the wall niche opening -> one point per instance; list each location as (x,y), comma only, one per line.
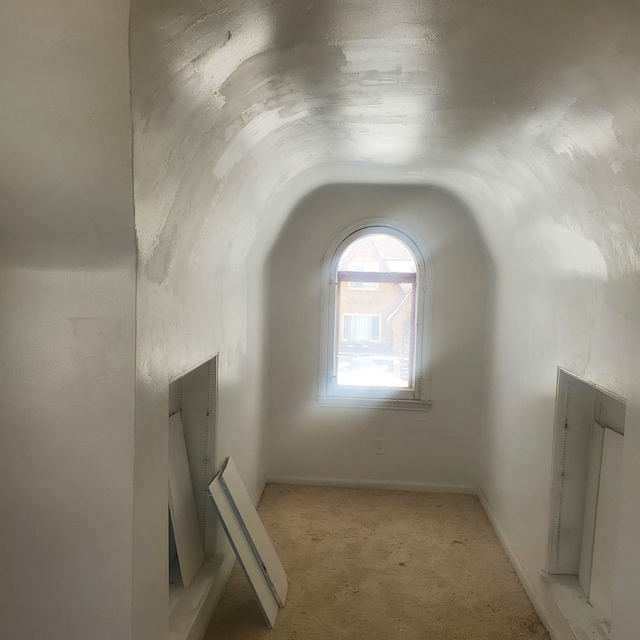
(192,404)
(583,536)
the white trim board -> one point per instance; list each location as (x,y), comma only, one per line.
(605,539)
(591,506)
(182,505)
(351,483)
(261,489)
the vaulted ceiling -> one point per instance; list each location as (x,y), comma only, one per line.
(528,111)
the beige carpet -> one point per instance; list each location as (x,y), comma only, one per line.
(378,565)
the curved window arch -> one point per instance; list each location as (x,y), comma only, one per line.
(375,333)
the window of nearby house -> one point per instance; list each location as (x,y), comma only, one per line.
(374,342)
(360,326)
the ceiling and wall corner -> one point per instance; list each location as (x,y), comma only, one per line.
(526,114)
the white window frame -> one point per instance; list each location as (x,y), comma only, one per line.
(330,393)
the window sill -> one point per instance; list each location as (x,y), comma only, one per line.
(373,403)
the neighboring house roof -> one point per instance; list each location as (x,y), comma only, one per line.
(389,252)
(400,306)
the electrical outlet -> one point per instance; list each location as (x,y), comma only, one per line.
(379,446)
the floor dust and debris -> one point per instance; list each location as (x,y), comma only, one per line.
(380,565)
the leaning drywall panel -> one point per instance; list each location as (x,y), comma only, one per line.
(181,504)
(254,530)
(198,404)
(244,552)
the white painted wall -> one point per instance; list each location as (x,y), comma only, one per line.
(199,282)
(67,292)
(308,442)
(528,114)
(561,221)
(565,295)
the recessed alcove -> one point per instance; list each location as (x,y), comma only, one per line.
(194,396)
(583,535)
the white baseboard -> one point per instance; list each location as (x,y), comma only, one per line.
(551,617)
(352,483)
(263,486)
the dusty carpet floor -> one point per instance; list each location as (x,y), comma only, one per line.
(378,565)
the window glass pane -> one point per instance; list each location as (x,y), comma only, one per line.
(375,321)
(361,327)
(364,266)
(380,251)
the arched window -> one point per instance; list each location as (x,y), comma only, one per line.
(375,331)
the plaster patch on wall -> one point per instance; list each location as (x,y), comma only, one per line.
(390,55)
(253,37)
(256,130)
(589,131)
(568,250)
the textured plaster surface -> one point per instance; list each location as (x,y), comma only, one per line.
(525,112)
(528,114)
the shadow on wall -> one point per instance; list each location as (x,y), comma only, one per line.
(303,439)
